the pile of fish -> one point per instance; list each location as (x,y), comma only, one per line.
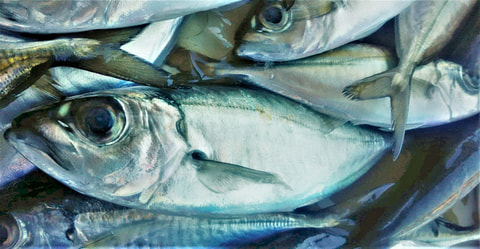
(230,123)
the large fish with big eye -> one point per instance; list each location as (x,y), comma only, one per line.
(285,30)
(199,150)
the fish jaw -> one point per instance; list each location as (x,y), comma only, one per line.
(41,152)
(130,164)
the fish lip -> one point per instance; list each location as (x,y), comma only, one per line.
(23,138)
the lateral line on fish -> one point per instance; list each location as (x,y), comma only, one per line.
(298,122)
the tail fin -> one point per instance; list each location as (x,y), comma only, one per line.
(393,84)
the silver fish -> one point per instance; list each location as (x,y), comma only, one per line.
(298,34)
(156,150)
(46,217)
(441,92)
(71,220)
(443,233)
(151,44)
(423,30)
(137,228)
(47,16)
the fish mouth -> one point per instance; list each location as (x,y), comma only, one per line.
(37,150)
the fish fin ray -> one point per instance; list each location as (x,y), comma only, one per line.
(376,86)
(120,64)
(47,86)
(222,177)
(400,103)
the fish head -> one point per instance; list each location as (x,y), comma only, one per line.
(111,143)
(280,31)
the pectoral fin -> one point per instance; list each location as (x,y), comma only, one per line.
(48,86)
(379,86)
(222,177)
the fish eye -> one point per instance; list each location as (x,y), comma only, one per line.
(9,231)
(273,18)
(70,234)
(100,120)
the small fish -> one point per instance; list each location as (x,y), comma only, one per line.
(440,232)
(155,149)
(282,31)
(73,220)
(442,92)
(152,230)
(22,63)
(49,16)
(422,31)
(45,218)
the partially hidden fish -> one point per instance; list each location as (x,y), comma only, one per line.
(137,228)
(73,220)
(22,63)
(422,31)
(47,16)
(428,191)
(283,31)
(156,149)
(441,92)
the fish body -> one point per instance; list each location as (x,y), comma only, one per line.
(311,34)
(442,92)
(46,16)
(137,228)
(256,152)
(422,31)
(442,233)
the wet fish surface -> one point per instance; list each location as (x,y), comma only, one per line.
(422,31)
(441,92)
(298,31)
(47,16)
(174,159)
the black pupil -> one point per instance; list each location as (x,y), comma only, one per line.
(272,14)
(100,120)
(3,234)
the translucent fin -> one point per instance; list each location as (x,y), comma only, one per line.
(47,85)
(391,84)
(400,102)
(222,177)
(120,64)
(376,86)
